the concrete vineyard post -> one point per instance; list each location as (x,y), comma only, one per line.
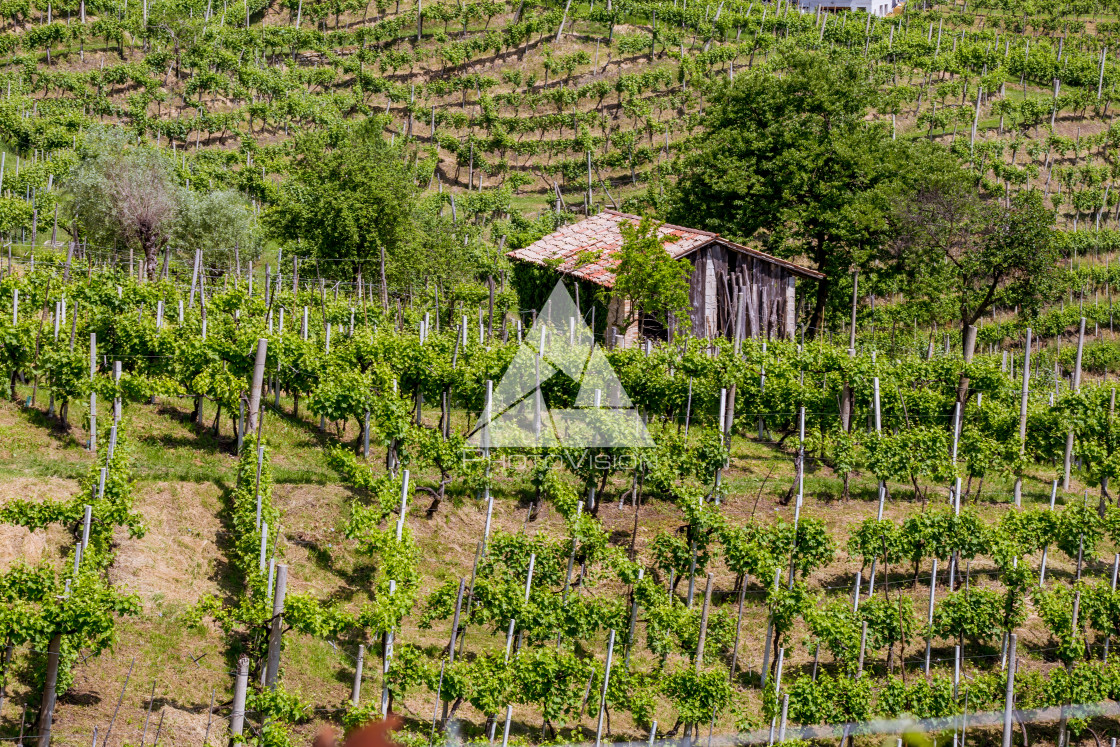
(365,436)
(240,423)
(505,730)
(1100,75)
(529,576)
(509,638)
(956,670)
(46,711)
(1115,570)
(117,399)
(404,504)
(862,648)
(92,394)
(257,489)
(194,280)
(264,551)
(878,430)
(785,713)
(86,519)
(1068,455)
(386,660)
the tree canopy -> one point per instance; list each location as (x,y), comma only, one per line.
(124,195)
(349,194)
(791,161)
(954,246)
(216,222)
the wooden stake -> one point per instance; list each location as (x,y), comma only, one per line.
(46,712)
(1023,414)
(603,696)
(356,690)
(738,626)
(455,622)
(277,629)
(258,381)
(703,624)
(240,685)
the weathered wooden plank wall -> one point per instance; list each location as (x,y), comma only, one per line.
(721,277)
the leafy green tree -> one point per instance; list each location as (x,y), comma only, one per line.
(647,278)
(350,195)
(951,241)
(790,159)
(435,248)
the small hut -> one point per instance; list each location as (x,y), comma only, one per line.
(734,291)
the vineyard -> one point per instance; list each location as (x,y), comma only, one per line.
(231,519)
(582,103)
(257,316)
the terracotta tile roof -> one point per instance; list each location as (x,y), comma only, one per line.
(586,249)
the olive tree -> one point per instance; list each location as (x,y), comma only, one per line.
(217,223)
(124,195)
